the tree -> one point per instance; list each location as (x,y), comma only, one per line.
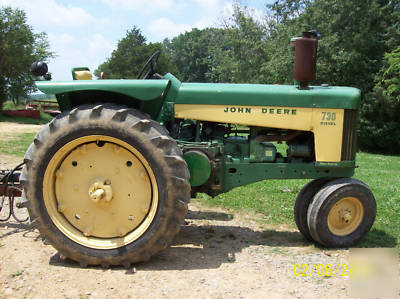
(191,51)
(391,76)
(380,123)
(132,52)
(233,53)
(355,37)
(352,45)
(240,56)
(19,47)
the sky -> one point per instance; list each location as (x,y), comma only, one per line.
(85,32)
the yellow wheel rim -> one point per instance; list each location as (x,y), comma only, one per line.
(345,216)
(100,192)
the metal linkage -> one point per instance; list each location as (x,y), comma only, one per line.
(9,190)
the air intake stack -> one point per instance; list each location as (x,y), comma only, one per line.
(305,58)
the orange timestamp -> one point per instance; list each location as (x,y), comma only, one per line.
(308,270)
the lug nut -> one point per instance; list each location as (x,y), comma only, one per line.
(121,231)
(87,232)
(61,208)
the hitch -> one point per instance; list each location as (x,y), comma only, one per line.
(10,188)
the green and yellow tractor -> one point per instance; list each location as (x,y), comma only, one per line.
(108,181)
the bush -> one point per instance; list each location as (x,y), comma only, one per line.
(379,126)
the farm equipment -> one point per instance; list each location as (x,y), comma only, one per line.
(10,189)
(109,179)
(47,106)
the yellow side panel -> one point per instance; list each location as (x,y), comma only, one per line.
(326,124)
(328,131)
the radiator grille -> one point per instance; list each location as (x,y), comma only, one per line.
(349,142)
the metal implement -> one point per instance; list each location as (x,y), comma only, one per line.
(10,189)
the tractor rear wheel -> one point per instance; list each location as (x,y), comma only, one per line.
(341,213)
(106,185)
(303,201)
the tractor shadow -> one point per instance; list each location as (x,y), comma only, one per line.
(201,245)
(10,228)
(210,246)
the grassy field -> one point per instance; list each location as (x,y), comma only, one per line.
(17,145)
(273,200)
(9,105)
(44,118)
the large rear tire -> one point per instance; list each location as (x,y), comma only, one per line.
(106,185)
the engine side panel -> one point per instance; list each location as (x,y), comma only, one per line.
(325,123)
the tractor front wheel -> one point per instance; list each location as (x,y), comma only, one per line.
(341,213)
(106,185)
(303,201)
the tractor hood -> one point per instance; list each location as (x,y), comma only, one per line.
(145,90)
(271,95)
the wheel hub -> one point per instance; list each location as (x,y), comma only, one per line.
(109,212)
(345,216)
(100,191)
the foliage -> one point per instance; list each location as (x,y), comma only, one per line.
(191,51)
(390,82)
(350,51)
(129,57)
(230,54)
(355,37)
(379,123)
(19,47)
(243,51)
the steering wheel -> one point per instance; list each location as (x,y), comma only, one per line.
(150,66)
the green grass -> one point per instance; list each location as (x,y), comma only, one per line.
(17,145)
(9,105)
(17,273)
(274,199)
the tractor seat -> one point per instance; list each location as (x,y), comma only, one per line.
(81,73)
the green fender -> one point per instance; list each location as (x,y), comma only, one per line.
(146,95)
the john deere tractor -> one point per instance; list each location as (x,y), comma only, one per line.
(108,181)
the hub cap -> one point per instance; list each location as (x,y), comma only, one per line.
(100,192)
(345,216)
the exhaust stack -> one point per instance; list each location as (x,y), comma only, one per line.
(305,58)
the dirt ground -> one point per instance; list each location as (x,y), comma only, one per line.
(217,254)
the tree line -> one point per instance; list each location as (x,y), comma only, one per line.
(19,47)
(360,47)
